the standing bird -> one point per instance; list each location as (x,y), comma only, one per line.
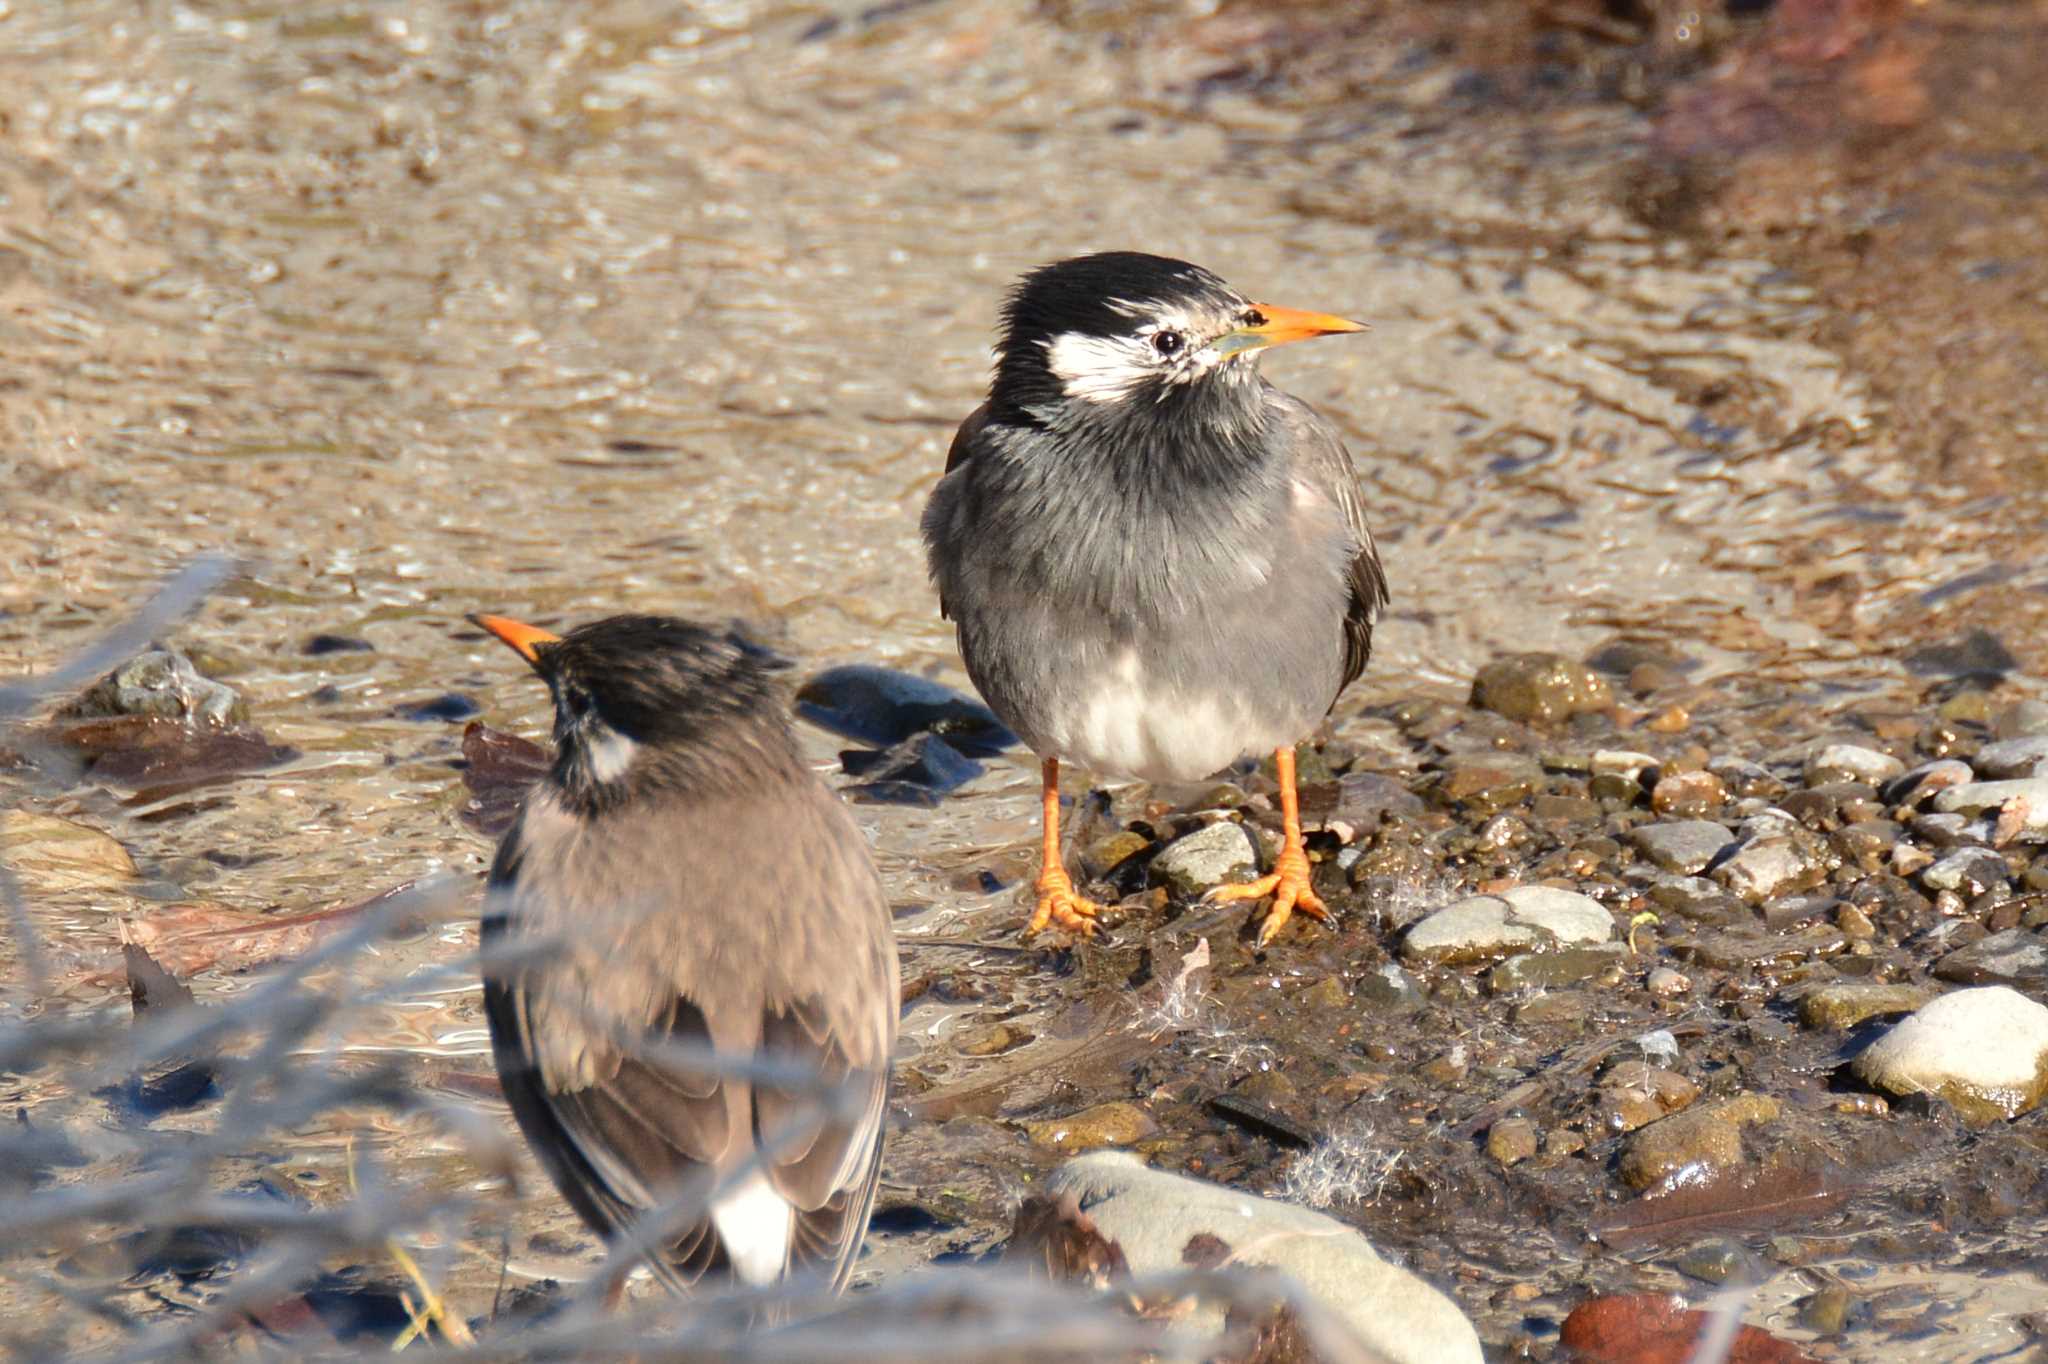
(1156,560)
(679,876)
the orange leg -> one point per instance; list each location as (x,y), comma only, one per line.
(1288,882)
(1057,902)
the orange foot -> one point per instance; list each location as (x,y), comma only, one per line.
(1288,885)
(1060,906)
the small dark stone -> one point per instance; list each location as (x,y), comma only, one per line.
(905,1219)
(337,644)
(917,771)
(1620,657)
(1262,1120)
(884,707)
(449,707)
(1977,653)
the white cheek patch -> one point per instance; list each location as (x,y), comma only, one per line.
(609,754)
(1097,369)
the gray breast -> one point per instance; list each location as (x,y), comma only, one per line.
(1161,649)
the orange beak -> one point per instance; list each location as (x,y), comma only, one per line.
(1283,325)
(524,639)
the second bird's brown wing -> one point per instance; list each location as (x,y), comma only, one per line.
(752,923)
(1320,457)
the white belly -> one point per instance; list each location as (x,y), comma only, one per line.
(1119,725)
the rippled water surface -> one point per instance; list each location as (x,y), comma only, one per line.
(558,310)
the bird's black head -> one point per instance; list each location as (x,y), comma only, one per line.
(1121,332)
(643,700)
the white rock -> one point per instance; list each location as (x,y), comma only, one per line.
(1620,762)
(1153,1215)
(1983,1050)
(1209,856)
(1524,917)
(1851,762)
(1972,797)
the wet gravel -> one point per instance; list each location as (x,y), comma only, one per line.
(1571,1033)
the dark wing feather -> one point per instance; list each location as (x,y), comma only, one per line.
(963,439)
(616,1148)
(1321,459)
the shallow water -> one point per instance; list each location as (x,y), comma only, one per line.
(558,311)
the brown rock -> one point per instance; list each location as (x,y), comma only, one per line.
(1709,1136)
(1540,688)
(1110,1124)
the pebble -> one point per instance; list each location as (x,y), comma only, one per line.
(2017,956)
(1634,1094)
(1977,796)
(1851,762)
(449,706)
(1983,1050)
(1967,871)
(1153,1216)
(883,707)
(1709,1137)
(161,682)
(1745,778)
(2021,719)
(1918,783)
(1839,1007)
(1511,1140)
(1486,926)
(1111,1124)
(919,771)
(1688,793)
(1666,983)
(1104,855)
(1208,857)
(336,644)
(1389,989)
(2013,758)
(1488,781)
(1540,688)
(1697,899)
(1774,864)
(1685,846)
(1621,762)
(1554,970)
(1976,653)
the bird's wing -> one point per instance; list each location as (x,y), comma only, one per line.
(963,440)
(1321,459)
(622,1127)
(962,450)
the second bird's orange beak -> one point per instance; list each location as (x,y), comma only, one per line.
(523,638)
(1282,325)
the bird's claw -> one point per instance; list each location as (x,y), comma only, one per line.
(1288,884)
(1060,906)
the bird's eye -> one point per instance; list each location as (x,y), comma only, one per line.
(1253,318)
(1168,342)
(576,701)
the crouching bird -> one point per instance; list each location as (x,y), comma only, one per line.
(1155,560)
(679,886)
